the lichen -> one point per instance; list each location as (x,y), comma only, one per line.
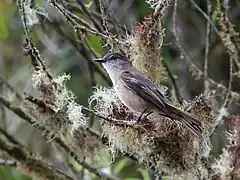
(160,143)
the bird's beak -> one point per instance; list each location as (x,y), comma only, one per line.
(98,60)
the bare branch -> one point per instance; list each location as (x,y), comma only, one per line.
(80,51)
(84,9)
(104,17)
(2,109)
(194,69)
(75,25)
(5,82)
(225,24)
(208,29)
(174,83)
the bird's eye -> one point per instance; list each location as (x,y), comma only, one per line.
(126,72)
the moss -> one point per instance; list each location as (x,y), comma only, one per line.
(160,143)
(145,48)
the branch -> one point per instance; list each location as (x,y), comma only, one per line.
(208,28)
(226,31)
(174,83)
(2,109)
(30,164)
(194,69)
(50,135)
(84,9)
(80,51)
(4,81)
(72,21)
(120,123)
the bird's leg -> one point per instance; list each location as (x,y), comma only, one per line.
(144,114)
(149,113)
(140,117)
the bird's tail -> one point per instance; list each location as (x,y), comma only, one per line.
(189,120)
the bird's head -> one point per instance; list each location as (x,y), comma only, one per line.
(114,61)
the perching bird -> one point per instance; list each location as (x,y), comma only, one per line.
(140,94)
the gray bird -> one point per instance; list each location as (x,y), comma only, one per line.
(140,94)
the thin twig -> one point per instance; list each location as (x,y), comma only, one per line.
(217,31)
(233,56)
(98,27)
(9,137)
(115,23)
(208,29)
(5,82)
(179,45)
(174,83)
(199,73)
(2,109)
(16,110)
(120,123)
(80,20)
(205,16)
(74,24)
(222,111)
(29,47)
(104,17)
(80,51)
(226,34)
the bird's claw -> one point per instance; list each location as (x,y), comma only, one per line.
(144,115)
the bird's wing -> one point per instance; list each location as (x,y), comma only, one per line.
(145,88)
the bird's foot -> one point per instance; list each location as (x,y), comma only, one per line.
(144,115)
(136,120)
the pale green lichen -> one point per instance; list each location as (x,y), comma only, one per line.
(76,116)
(158,5)
(31,13)
(158,133)
(223,165)
(61,98)
(105,100)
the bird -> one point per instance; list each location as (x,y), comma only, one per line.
(139,93)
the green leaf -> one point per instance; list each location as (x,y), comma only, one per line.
(144,174)
(96,44)
(120,165)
